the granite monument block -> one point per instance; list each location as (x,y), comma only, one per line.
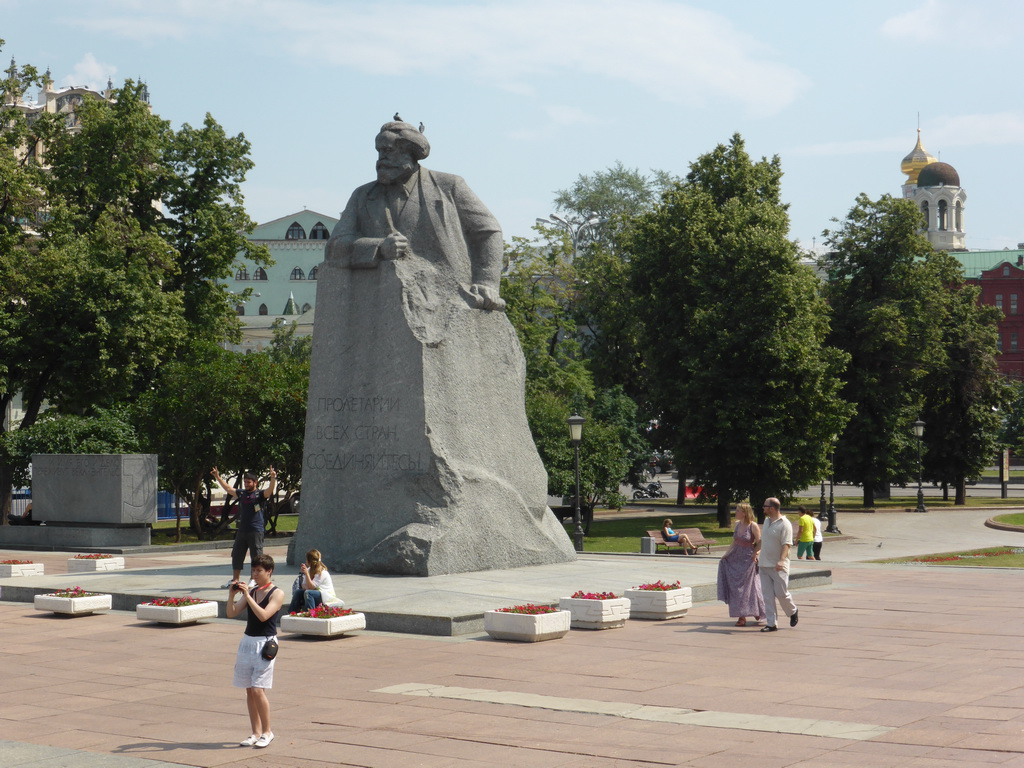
(418,456)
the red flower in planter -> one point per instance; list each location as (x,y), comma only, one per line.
(323,611)
(529,608)
(71,592)
(659,586)
(595,595)
(176,602)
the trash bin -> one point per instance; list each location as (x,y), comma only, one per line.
(647,546)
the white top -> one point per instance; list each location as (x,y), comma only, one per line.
(322,581)
(817,529)
(774,535)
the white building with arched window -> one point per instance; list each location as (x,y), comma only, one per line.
(287,288)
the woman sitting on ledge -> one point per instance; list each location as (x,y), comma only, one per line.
(313,585)
(669,535)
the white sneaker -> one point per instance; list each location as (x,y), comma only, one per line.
(264,740)
(252,584)
(250,741)
(225,586)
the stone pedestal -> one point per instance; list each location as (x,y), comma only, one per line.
(596,614)
(332,627)
(659,604)
(418,457)
(526,628)
(93,564)
(176,614)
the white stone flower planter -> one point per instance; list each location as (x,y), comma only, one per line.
(525,627)
(82,565)
(324,627)
(596,614)
(22,569)
(176,614)
(72,605)
(659,604)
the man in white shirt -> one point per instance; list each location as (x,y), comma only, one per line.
(773,565)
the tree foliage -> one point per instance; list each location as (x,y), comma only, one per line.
(539,287)
(735,331)
(604,307)
(887,296)
(112,238)
(963,390)
(106,431)
(240,412)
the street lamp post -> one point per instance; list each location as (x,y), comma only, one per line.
(832,527)
(575,437)
(919,434)
(574,230)
(822,509)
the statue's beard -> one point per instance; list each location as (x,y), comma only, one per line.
(394,174)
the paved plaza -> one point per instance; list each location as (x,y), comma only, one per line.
(889,666)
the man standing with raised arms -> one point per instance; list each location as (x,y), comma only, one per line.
(249,533)
(773,565)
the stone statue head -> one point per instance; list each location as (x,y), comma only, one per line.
(400,147)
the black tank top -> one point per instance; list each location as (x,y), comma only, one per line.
(256,628)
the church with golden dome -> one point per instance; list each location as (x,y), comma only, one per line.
(935,187)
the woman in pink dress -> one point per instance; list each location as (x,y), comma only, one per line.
(739,584)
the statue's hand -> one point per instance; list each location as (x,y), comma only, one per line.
(486,297)
(394,246)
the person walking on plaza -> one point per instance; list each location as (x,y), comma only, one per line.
(249,534)
(819,539)
(739,583)
(805,539)
(776,540)
(253,671)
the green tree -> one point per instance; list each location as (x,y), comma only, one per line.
(887,299)
(736,331)
(539,288)
(98,284)
(964,391)
(236,411)
(105,431)
(604,305)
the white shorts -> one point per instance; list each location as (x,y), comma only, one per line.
(251,669)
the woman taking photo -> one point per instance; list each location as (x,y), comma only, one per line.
(313,585)
(252,671)
(739,584)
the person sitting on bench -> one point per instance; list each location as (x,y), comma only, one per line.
(680,538)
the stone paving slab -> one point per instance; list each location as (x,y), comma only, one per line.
(920,657)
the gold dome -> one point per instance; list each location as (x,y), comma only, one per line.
(915,161)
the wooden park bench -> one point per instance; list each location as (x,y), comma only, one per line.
(694,534)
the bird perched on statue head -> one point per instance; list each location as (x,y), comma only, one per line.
(397,118)
(421,128)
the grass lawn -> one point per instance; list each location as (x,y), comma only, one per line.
(1015,519)
(163,531)
(989,557)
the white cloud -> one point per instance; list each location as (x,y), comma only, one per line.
(147,29)
(90,73)
(993,129)
(997,22)
(997,128)
(672,51)
(558,117)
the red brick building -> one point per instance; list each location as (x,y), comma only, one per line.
(1000,275)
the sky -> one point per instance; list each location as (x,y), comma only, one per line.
(521,97)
